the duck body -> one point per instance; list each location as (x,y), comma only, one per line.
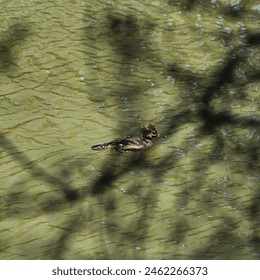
(124,144)
(131,143)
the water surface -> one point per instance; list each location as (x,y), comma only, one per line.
(74,74)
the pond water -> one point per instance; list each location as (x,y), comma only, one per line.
(74,74)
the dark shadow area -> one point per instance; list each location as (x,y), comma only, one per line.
(125,37)
(252,39)
(74,224)
(129,44)
(234,10)
(13,37)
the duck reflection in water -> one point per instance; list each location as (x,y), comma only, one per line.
(131,143)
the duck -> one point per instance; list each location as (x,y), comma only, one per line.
(129,143)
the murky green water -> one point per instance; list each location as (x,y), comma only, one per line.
(74,74)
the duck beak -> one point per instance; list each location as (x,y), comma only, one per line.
(160,135)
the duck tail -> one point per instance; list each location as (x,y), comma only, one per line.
(98,147)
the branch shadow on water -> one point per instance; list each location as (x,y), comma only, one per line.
(36,171)
(16,34)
